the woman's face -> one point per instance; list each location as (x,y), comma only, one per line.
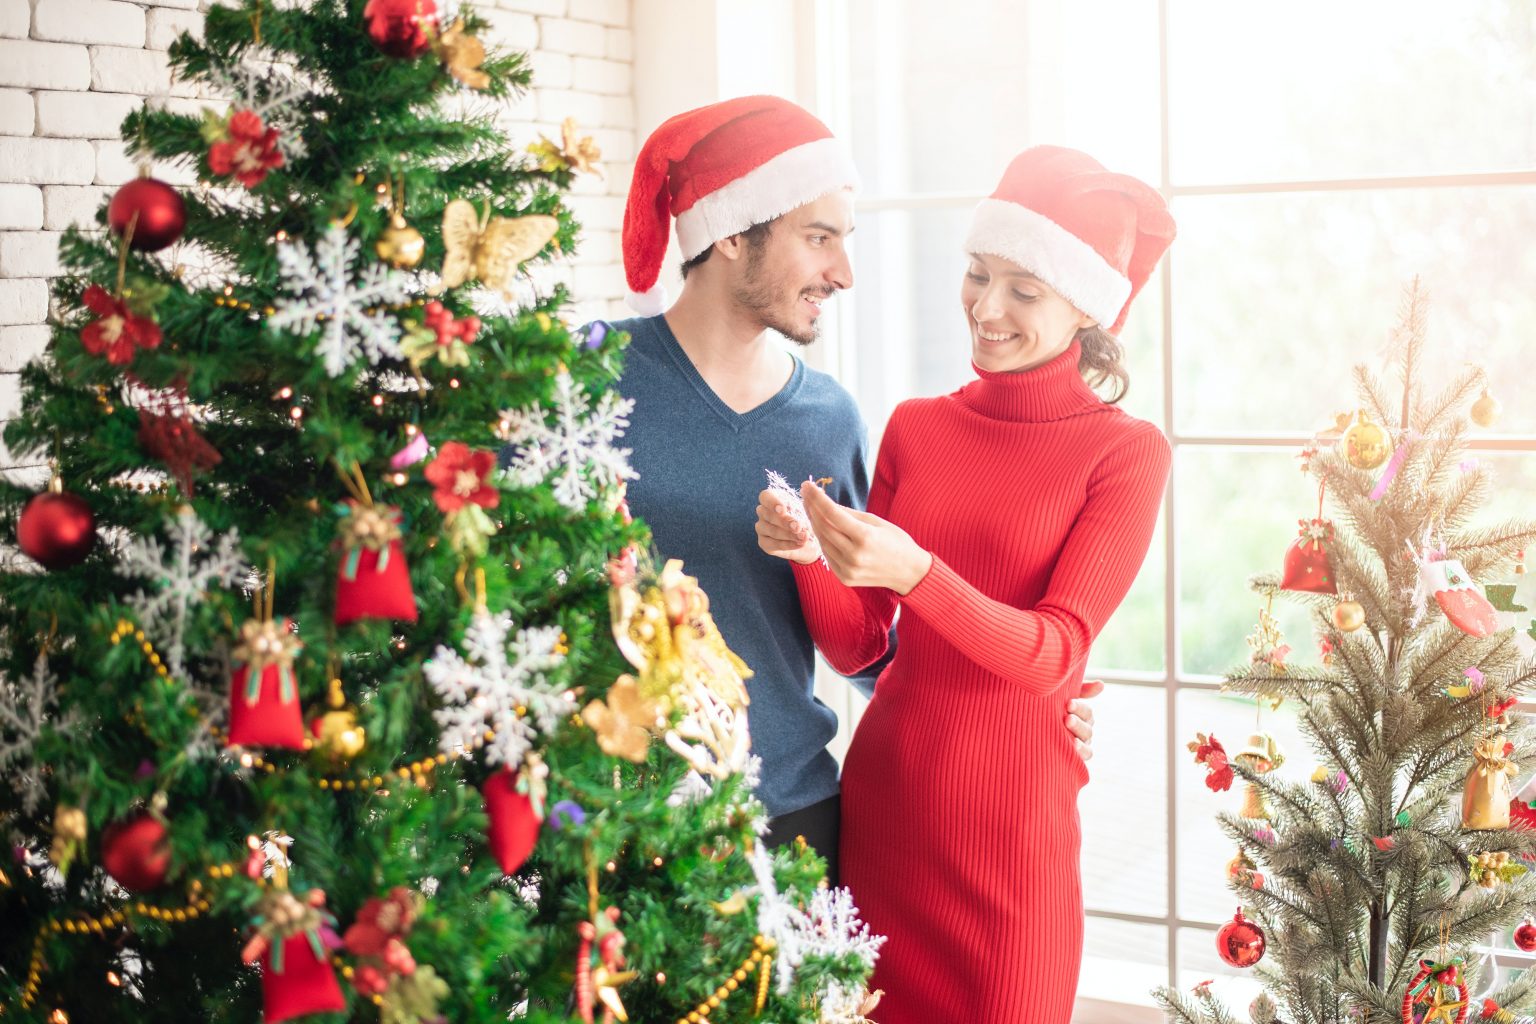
(1017,321)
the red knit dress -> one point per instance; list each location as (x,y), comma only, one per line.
(960,832)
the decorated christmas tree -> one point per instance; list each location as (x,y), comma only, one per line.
(1366,888)
(336,679)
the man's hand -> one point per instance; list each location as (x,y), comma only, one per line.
(862,549)
(1080,718)
(778,533)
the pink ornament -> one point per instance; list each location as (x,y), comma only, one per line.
(412,453)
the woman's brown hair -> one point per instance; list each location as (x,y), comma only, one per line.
(1102,360)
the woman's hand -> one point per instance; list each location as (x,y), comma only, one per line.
(1080,717)
(778,533)
(864,550)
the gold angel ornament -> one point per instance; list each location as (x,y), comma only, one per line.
(663,627)
(490,249)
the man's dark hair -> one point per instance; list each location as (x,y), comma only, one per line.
(754,236)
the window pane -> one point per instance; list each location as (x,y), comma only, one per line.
(1133,639)
(1204,849)
(944,95)
(911,333)
(1277,296)
(1321,89)
(1127,796)
(1122,962)
(1237,512)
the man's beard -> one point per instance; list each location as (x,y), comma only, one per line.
(759,295)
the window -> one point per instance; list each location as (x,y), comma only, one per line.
(1317,157)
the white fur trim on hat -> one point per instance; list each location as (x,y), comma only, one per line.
(1053,254)
(795,177)
(651,302)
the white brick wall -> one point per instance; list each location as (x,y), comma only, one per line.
(70,70)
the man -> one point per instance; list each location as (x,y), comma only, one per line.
(763,199)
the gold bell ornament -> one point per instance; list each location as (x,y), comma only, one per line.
(400,245)
(336,732)
(1485,801)
(1366,444)
(1261,756)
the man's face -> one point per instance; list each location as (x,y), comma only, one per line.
(786,276)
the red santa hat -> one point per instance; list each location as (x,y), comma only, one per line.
(720,170)
(1092,235)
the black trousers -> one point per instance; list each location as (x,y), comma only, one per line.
(818,824)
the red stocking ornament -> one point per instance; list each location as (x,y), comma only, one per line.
(373,581)
(515,805)
(1458,596)
(264,706)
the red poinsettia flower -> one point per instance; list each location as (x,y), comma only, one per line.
(377,933)
(247,151)
(119,333)
(461,476)
(1209,752)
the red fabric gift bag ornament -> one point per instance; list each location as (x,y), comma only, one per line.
(1306,561)
(515,805)
(264,706)
(293,942)
(373,581)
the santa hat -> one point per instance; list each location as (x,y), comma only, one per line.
(1092,235)
(720,170)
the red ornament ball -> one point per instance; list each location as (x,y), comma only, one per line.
(161,215)
(1240,942)
(401,28)
(56,529)
(1525,936)
(135,853)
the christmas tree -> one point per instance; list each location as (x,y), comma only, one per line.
(1367,887)
(336,679)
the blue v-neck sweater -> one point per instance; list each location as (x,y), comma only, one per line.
(701,466)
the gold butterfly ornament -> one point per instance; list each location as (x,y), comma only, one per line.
(490,249)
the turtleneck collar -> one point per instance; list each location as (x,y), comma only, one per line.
(1053,391)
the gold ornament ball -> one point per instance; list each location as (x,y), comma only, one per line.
(1485,411)
(1366,444)
(1348,616)
(338,736)
(400,245)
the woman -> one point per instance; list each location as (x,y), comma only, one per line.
(1007,520)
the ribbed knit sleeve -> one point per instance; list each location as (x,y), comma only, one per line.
(851,626)
(1040,647)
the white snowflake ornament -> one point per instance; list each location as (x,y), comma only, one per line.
(26,707)
(483,689)
(577,451)
(196,562)
(322,293)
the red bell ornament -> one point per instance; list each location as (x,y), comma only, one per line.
(154,209)
(135,852)
(264,709)
(1306,561)
(56,529)
(373,581)
(1240,942)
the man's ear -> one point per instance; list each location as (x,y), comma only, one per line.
(731,246)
